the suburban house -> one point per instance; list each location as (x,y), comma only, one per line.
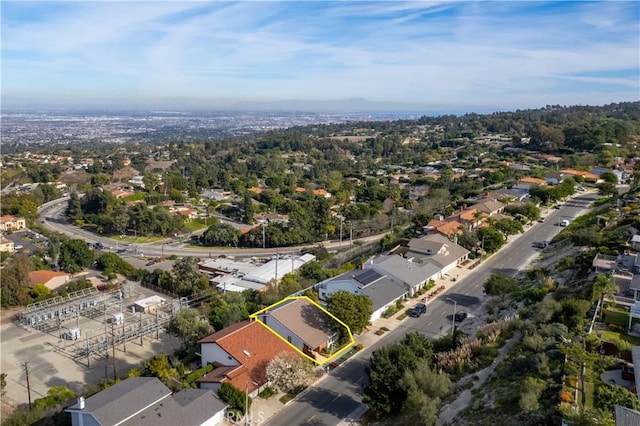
(240,354)
(438,250)
(146,401)
(447,228)
(587,176)
(411,275)
(216,194)
(489,207)
(514,194)
(6,245)
(50,279)
(527,182)
(382,291)
(121,193)
(303,324)
(12,223)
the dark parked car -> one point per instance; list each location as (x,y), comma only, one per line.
(418,310)
(461,316)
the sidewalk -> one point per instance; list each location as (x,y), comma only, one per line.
(265,409)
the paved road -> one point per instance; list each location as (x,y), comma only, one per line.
(338,396)
(53,216)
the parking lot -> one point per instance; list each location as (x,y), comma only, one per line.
(53,360)
(26,241)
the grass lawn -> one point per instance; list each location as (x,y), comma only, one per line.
(616,316)
(589,388)
(133,240)
(194,225)
(614,336)
(286,398)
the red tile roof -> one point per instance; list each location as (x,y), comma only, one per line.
(254,338)
(43,277)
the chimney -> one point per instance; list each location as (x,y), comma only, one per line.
(81,403)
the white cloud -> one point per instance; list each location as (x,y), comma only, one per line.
(380,50)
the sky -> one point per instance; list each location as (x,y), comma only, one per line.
(474,54)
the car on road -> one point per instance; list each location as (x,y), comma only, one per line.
(540,244)
(564,223)
(418,310)
(541,220)
(18,247)
(461,316)
(558,206)
(99,246)
(153,262)
(580,188)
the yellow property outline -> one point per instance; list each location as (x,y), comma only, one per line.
(286,299)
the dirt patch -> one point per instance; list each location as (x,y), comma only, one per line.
(75,178)
(153,164)
(125,173)
(7,314)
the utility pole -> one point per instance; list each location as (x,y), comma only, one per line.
(264,241)
(350,234)
(341,222)
(140,330)
(276,268)
(88,355)
(106,353)
(157,328)
(124,336)
(113,346)
(26,370)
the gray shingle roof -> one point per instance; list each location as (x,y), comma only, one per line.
(409,272)
(383,292)
(124,399)
(189,407)
(626,416)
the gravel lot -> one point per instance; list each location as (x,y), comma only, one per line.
(50,363)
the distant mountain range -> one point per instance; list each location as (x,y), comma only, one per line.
(352,105)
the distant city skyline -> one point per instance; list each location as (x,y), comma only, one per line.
(431,56)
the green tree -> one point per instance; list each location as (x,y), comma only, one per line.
(221,234)
(604,286)
(227,314)
(353,309)
(425,389)
(235,398)
(75,256)
(3,384)
(385,394)
(111,263)
(606,396)
(500,284)
(491,238)
(57,395)
(14,284)
(530,392)
(189,327)
(188,278)
(247,206)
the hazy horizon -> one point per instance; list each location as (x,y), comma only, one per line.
(336,55)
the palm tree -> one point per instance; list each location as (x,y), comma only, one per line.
(604,285)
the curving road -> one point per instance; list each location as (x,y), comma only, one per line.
(338,396)
(53,218)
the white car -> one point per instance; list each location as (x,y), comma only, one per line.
(18,247)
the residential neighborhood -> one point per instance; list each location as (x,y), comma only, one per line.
(274,284)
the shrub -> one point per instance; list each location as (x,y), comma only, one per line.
(188,381)
(359,347)
(267,393)
(235,398)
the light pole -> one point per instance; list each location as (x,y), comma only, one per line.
(453,319)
